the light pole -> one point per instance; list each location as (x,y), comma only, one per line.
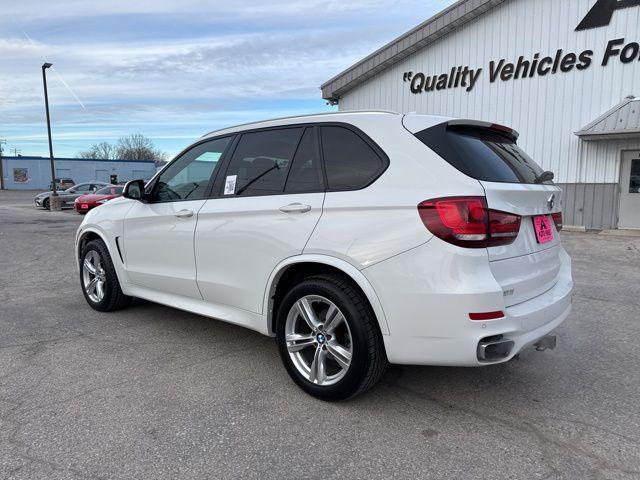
(54,200)
(2,140)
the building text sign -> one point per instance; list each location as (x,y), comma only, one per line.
(538,65)
(602,12)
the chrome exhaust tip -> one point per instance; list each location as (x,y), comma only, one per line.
(494,348)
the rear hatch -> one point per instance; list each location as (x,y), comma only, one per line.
(515,184)
(529,266)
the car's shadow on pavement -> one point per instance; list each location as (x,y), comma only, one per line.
(498,383)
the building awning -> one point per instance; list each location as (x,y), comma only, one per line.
(621,122)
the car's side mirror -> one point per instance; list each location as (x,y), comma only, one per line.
(134,190)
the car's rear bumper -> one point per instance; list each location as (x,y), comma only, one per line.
(428,317)
(79,209)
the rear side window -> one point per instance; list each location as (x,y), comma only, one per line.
(110,190)
(350,162)
(482,154)
(305,174)
(261,161)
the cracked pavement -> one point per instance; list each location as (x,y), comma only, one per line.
(152,392)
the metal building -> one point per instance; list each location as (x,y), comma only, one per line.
(31,173)
(562,73)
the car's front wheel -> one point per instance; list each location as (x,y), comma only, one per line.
(328,338)
(98,278)
(46,203)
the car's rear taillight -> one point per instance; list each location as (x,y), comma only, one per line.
(557,219)
(503,227)
(467,222)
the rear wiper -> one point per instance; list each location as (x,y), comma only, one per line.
(544,177)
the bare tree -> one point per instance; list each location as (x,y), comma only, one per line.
(106,150)
(139,147)
(102,150)
(132,147)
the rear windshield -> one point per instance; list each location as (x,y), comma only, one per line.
(481,153)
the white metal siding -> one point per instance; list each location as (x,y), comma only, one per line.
(545,110)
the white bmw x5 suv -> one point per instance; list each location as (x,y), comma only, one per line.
(355,239)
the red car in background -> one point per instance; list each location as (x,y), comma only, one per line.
(86,202)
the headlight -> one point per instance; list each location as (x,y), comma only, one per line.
(104,200)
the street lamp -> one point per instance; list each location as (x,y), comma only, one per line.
(2,141)
(54,200)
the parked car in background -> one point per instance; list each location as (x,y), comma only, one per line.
(355,239)
(84,203)
(63,183)
(68,196)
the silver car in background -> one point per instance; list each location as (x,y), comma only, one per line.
(68,196)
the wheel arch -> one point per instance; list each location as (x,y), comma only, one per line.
(294,268)
(85,237)
(91,233)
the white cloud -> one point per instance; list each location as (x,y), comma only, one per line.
(191,66)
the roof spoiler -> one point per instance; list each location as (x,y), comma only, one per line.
(509,132)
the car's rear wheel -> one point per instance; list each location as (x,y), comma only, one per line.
(98,278)
(329,339)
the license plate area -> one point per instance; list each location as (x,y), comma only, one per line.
(84,206)
(543,228)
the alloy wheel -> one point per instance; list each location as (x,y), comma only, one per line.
(318,340)
(93,276)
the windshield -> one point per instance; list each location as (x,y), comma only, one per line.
(110,190)
(482,154)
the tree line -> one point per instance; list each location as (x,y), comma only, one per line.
(130,147)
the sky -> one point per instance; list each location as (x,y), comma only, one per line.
(175,70)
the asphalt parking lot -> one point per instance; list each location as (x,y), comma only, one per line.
(152,392)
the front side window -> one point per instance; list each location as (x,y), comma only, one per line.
(83,188)
(261,161)
(188,177)
(351,163)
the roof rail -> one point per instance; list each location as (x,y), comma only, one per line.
(290,117)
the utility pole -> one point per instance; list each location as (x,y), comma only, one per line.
(2,140)
(54,200)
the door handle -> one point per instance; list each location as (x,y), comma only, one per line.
(184,213)
(295,208)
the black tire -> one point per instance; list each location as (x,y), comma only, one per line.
(369,360)
(46,203)
(113,298)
